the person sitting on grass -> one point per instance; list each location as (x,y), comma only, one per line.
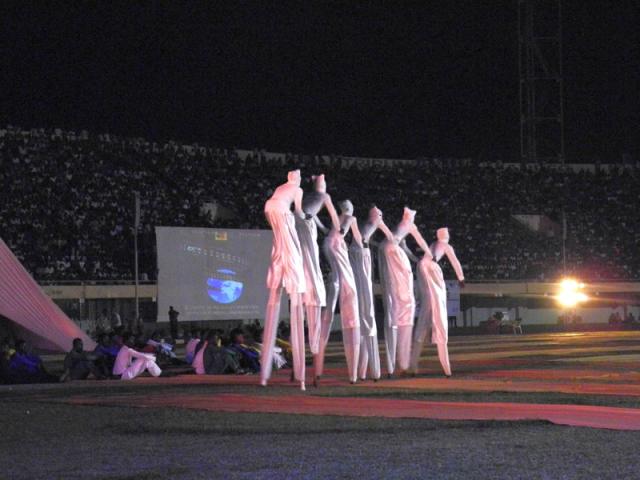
(6,352)
(130,363)
(156,344)
(248,357)
(218,359)
(106,352)
(190,348)
(78,364)
(25,367)
(198,354)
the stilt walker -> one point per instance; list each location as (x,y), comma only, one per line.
(360,257)
(433,316)
(342,285)
(285,272)
(398,285)
(314,297)
(390,330)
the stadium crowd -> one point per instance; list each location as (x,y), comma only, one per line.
(67,205)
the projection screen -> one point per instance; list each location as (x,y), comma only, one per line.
(212,274)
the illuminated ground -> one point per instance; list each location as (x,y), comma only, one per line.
(491,420)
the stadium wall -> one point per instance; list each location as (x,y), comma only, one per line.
(531,301)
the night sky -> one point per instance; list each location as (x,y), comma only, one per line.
(404,80)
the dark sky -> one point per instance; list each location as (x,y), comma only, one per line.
(427,78)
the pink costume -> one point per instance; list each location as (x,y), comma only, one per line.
(433,313)
(131,363)
(190,349)
(198,359)
(342,284)
(360,257)
(397,283)
(286,271)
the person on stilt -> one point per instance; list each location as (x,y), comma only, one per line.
(315,295)
(286,272)
(342,285)
(397,283)
(433,315)
(360,257)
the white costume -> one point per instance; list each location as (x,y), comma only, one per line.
(342,284)
(433,312)
(130,363)
(314,297)
(397,281)
(286,271)
(360,257)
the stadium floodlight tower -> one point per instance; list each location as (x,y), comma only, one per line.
(541,89)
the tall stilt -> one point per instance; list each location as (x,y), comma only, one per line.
(272,315)
(443,356)
(351,340)
(297,339)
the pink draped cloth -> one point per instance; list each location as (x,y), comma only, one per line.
(286,269)
(23,302)
(400,285)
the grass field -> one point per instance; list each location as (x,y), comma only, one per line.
(193,427)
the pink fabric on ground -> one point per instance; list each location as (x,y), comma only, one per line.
(573,415)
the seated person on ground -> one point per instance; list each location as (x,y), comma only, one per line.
(130,363)
(218,360)
(27,367)
(157,345)
(106,352)
(190,348)
(6,352)
(248,357)
(198,354)
(78,364)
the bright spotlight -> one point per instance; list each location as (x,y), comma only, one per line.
(570,294)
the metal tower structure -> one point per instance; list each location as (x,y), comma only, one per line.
(541,88)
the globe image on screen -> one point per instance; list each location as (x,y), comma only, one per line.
(224,289)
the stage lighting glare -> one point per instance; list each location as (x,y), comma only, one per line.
(568,285)
(569,295)
(571,299)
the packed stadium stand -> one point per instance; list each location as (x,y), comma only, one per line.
(67,203)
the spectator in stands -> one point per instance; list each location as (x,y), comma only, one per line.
(84,234)
(103,323)
(130,363)
(615,318)
(78,364)
(115,320)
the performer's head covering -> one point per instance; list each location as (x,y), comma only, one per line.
(294,177)
(319,182)
(408,214)
(375,214)
(346,207)
(443,234)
